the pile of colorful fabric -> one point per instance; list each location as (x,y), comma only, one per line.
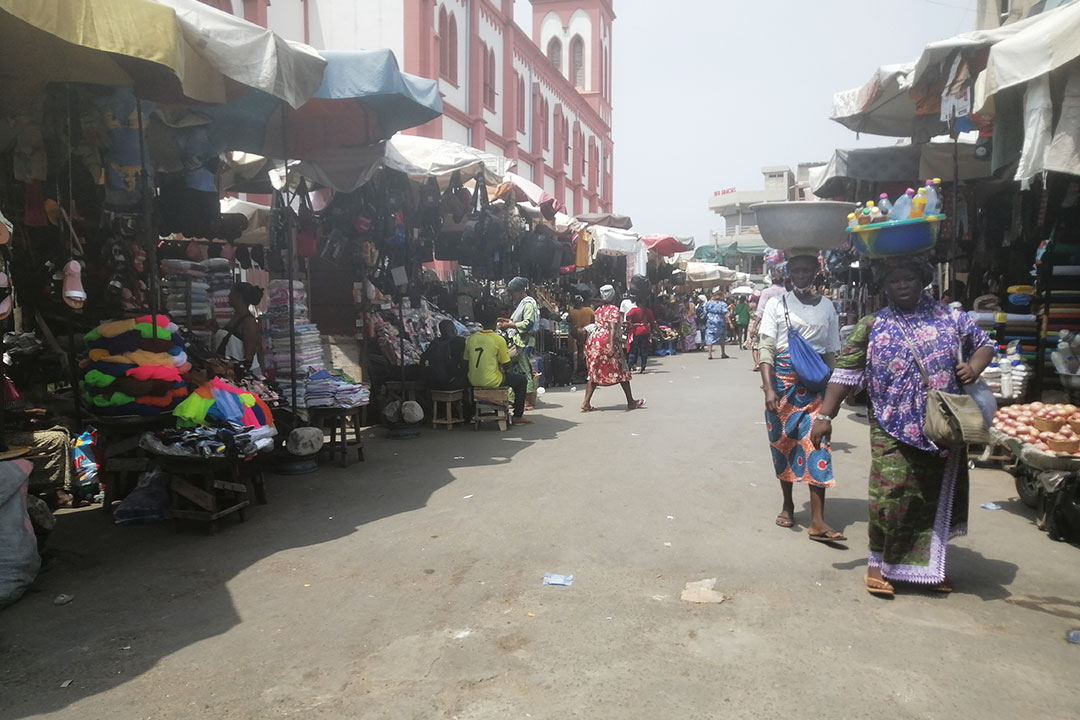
(219,278)
(134,367)
(309,350)
(334,388)
(217,419)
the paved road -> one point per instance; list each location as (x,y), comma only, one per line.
(410,587)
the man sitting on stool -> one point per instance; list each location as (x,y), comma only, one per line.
(486,355)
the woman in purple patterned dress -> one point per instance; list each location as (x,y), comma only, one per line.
(918,492)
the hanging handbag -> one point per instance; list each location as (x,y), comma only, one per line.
(812,371)
(951,420)
(307,232)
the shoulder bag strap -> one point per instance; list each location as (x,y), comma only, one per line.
(914,354)
(787,317)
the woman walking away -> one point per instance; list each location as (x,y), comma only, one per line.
(716,322)
(642,323)
(524,322)
(605,356)
(918,491)
(790,406)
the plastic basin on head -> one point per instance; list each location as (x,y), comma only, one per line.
(820,224)
(902,237)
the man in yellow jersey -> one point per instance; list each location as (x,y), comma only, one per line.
(486,354)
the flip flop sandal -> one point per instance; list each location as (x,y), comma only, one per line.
(880,588)
(5,296)
(827,538)
(74,295)
(785,522)
(587,409)
(638,405)
(944,587)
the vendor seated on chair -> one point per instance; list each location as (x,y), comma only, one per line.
(443,361)
(488,357)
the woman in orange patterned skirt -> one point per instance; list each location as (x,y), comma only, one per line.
(605,357)
(790,406)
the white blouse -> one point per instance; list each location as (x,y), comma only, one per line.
(818,324)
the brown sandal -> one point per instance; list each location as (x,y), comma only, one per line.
(880,588)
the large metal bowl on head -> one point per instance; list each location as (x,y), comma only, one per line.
(820,224)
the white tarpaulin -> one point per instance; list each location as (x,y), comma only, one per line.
(250,54)
(1045,43)
(611,241)
(880,107)
(701,274)
(417,157)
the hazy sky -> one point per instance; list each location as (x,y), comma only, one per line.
(707,92)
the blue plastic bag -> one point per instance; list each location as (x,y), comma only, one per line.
(812,371)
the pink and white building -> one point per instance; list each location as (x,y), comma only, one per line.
(543,100)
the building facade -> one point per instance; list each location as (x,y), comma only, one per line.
(543,100)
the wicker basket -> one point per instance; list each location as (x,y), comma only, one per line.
(1044,424)
(1070,447)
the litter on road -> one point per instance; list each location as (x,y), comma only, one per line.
(701,591)
(990,506)
(556,579)
(62,599)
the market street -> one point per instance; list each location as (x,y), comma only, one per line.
(410,586)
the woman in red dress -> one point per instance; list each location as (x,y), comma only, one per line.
(605,356)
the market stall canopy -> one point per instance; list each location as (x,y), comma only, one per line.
(1045,43)
(747,245)
(417,157)
(905,162)
(701,274)
(363,98)
(530,191)
(667,245)
(168,50)
(611,241)
(935,63)
(884,106)
(622,222)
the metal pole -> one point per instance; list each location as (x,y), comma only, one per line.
(149,240)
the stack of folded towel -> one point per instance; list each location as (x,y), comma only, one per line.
(134,367)
(334,388)
(219,278)
(309,349)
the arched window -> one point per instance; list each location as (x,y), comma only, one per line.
(520,87)
(546,120)
(577,62)
(489,79)
(554,53)
(444,44)
(452,46)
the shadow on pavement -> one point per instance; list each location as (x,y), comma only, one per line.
(143,593)
(971,573)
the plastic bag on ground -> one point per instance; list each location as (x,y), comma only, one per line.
(19,559)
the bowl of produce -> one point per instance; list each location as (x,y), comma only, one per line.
(897,237)
(819,224)
(1047,423)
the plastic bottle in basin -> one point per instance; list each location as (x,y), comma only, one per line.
(933,196)
(884,204)
(901,209)
(918,204)
(864,217)
(876,215)
(852,221)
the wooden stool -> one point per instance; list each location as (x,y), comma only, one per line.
(491,405)
(336,420)
(451,404)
